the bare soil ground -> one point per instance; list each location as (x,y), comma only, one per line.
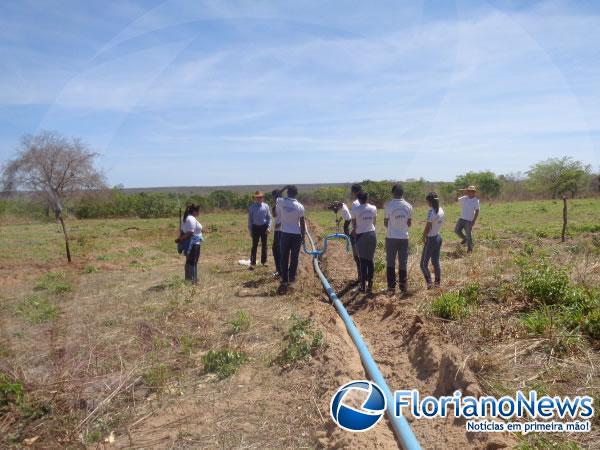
(109,350)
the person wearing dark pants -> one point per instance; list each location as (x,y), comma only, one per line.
(259,225)
(432,241)
(276,193)
(259,233)
(191,264)
(290,245)
(469,211)
(191,238)
(364,219)
(290,212)
(396,249)
(398,219)
(355,189)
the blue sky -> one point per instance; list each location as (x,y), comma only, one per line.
(249,92)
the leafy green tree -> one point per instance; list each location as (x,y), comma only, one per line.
(558,176)
(487,182)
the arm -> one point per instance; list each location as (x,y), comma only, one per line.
(426,231)
(354,227)
(386,221)
(475,217)
(409,222)
(250,219)
(302,228)
(347,227)
(184,236)
(269,219)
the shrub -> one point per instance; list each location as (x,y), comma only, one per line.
(538,321)
(302,340)
(224,362)
(544,283)
(11,391)
(451,306)
(470,292)
(240,321)
(591,324)
(157,376)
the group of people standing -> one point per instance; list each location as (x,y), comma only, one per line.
(286,219)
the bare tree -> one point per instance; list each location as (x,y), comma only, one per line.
(54,166)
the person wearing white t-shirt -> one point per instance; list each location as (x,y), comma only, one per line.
(364,219)
(293,229)
(469,211)
(397,220)
(276,193)
(355,189)
(191,238)
(432,241)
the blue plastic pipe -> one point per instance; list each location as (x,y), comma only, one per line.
(400,425)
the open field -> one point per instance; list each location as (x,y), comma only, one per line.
(115,348)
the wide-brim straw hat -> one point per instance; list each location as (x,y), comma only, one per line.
(258,194)
(469,189)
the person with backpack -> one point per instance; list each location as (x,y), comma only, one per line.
(397,220)
(189,241)
(432,241)
(364,219)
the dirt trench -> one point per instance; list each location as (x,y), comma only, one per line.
(411,354)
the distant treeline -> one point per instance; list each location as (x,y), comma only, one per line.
(570,178)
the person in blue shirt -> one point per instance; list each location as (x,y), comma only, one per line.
(259,226)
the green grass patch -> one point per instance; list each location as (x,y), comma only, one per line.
(302,340)
(89,269)
(35,310)
(157,376)
(11,391)
(55,283)
(451,306)
(240,321)
(224,362)
(539,442)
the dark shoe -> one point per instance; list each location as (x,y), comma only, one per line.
(251,268)
(391,291)
(429,286)
(282,289)
(362,288)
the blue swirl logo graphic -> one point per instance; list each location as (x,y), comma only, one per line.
(353,419)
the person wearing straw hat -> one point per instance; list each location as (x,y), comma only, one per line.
(259,225)
(469,211)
